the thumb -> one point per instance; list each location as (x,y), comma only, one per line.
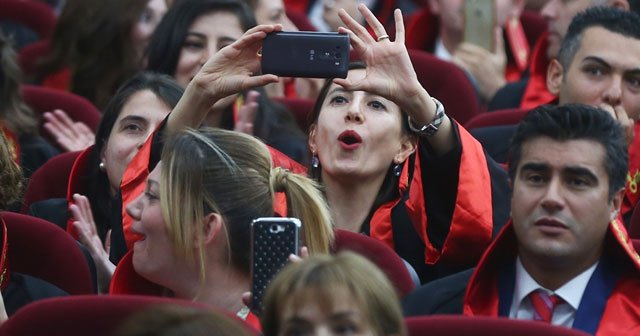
(498,45)
(107,242)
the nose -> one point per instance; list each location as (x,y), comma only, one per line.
(354,114)
(553,200)
(134,209)
(613,93)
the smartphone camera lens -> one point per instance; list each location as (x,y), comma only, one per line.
(337,55)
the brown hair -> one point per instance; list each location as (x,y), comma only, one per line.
(10,175)
(229,173)
(324,276)
(14,113)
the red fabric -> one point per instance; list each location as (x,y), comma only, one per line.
(60,80)
(35,15)
(448,83)
(631,194)
(634,225)
(300,19)
(13,143)
(622,311)
(455,325)
(45,251)
(4,256)
(51,180)
(472,223)
(536,92)
(96,315)
(497,118)
(378,253)
(77,184)
(30,54)
(300,108)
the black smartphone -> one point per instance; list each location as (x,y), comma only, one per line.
(479,23)
(306,54)
(273,239)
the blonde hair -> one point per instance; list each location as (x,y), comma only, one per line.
(217,171)
(322,277)
(10,175)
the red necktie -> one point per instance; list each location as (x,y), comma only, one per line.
(543,305)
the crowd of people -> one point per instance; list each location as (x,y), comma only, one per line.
(526,220)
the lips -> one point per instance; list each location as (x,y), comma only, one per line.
(550,225)
(349,139)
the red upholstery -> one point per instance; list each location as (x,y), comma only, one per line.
(636,244)
(42,99)
(443,325)
(50,180)
(378,253)
(35,15)
(96,315)
(497,118)
(30,54)
(300,20)
(534,26)
(446,82)
(300,108)
(43,250)
(634,223)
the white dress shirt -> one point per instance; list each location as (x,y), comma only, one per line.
(571,292)
(441,51)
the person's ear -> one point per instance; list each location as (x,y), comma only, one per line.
(616,203)
(555,76)
(434,7)
(212,225)
(407,147)
(621,4)
(312,138)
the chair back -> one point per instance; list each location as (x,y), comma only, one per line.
(497,118)
(50,180)
(34,15)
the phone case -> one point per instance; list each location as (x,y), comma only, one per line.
(306,54)
(479,17)
(273,239)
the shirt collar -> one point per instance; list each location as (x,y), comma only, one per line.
(441,52)
(571,292)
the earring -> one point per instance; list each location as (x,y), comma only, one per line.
(102,167)
(315,162)
(397,170)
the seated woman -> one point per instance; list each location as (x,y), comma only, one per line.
(194,216)
(342,294)
(194,30)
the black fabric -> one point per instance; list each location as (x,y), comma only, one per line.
(496,140)
(508,96)
(34,152)
(118,242)
(442,296)
(54,210)
(24,289)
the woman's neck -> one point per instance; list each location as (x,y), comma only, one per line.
(351,203)
(223,288)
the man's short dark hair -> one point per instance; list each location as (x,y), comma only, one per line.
(613,19)
(575,122)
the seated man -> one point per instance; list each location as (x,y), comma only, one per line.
(531,91)
(564,258)
(597,65)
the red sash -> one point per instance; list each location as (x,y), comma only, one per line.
(472,223)
(536,92)
(77,184)
(631,194)
(622,312)
(60,80)
(4,257)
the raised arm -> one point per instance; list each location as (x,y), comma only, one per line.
(390,74)
(228,72)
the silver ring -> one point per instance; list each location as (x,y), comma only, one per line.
(382,37)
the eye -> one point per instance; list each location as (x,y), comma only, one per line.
(193,45)
(578,182)
(634,82)
(150,196)
(338,100)
(534,178)
(593,70)
(345,328)
(377,105)
(146,16)
(133,128)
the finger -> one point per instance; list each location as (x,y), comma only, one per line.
(397,15)
(246,299)
(304,252)
(371,19)
(345,83)
(609,109)
(357,28)
(107,242)
(499,42)
(357,43)
(294,258)
(256,81)
(64,118)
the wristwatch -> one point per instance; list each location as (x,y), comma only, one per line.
(431,128)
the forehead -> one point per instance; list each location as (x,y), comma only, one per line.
(557,155)
(217,21)
(616,49)
(144,104)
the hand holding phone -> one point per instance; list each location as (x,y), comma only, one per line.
(306,54)
(273,239)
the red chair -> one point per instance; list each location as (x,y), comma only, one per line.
(636,244)
(43,250)
(378,253)
(300,20)
(50,180)
(96,315)
(446,82)
(497,118)
(300,108)
(35,15)
(42,99)
(29,56)
(444,325)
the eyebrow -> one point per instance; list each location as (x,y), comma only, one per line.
(573,170)
(134,118)
(596,59)
(534,166)
(152,183)
(196,34)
